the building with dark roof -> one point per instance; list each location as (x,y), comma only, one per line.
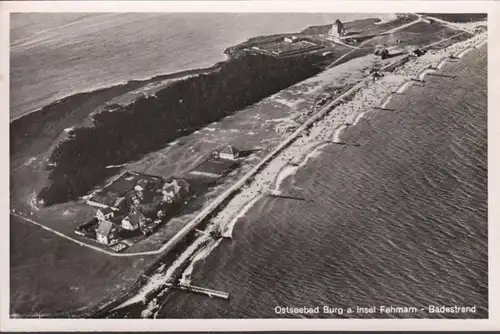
(106,232)
(134,220)
(104,213)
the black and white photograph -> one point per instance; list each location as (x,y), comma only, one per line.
(248,165)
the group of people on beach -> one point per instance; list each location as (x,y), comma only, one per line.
(325,128)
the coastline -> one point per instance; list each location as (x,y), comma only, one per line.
(136,83)
(328,129)
(277,176)
(323,132)
(228,53)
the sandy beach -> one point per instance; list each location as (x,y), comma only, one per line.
(329,129)
(308,145)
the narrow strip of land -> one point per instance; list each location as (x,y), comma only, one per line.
(235,187)
(390,31)
(449,24)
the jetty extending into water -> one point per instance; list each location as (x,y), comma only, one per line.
(198,289)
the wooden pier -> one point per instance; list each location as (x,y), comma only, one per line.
(198,289)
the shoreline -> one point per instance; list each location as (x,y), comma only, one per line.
(324,131)
(185,243)
(179,75)
(161,77)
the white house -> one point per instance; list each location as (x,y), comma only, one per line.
(104,213)
(134,220)
(106,233)
(168,196)
(291,39)
(229,153)
(285,127)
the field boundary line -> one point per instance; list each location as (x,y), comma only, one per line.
(62,235)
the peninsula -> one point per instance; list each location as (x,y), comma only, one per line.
(297,93)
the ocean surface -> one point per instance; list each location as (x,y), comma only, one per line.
(56,55)
(400,221)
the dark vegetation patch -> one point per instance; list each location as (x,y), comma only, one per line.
(176,111)
(46,124)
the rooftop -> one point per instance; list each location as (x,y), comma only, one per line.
(229,150)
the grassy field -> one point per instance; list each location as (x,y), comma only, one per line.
(50,275)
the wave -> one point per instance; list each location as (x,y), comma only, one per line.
(442,63)
(199,256)
(481,43)
(403,87)
(422,75)
(464,52)
(115,166)
(153,306)
(228,230)
(161,279)
(338,131)
(285,172)
(358,118)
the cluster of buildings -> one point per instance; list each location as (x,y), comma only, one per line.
(135,203)
(287,46)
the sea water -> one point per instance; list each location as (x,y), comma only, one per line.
(54,55)
(397,224)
